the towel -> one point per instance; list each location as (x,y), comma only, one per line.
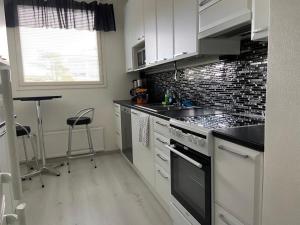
(144,130)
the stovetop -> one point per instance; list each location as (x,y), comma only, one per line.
(221,121)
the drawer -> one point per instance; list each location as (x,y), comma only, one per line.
(160,142)
(224,218)
(161,126)
(238,180)
(163,184)
(162,160)
(177,217)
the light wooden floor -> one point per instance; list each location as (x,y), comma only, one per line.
(112,194)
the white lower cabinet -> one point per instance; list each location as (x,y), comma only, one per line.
(162,184)
(238,173)
(224,218)
(143,157)
(118,130)
(177,217)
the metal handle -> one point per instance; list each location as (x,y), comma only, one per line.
(134,113)
(221,147)
(161,124)
(162,158)
(180,54)
(2,133)
(261,30)
(223,218)
(161,141)
(117,115)
(164,176)
(199,165)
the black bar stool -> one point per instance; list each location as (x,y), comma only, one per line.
(25,132)
(82,118)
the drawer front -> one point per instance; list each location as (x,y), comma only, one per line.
(161,126)
(238,180)
(224,218)
(117,107)
(162,160)
(163,185)
(160,142)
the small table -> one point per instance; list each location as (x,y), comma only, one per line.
(47,169)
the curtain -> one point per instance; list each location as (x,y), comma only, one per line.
(64,14)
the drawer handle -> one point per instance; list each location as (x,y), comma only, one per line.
(221,147)
(161,141)
(118,133)
(134,113)
(164,176)
(180,54)
(260,30)
(117,115)
(162,158)
(161,124)
(2,133)
(223,218)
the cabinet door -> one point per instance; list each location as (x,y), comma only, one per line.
(143,157)
(185,27)
(3,37)
(139,20)
(150,31)
(238,180)
(129,34)
(165,37)
(260,19)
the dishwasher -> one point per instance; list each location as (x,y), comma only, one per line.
(126,133)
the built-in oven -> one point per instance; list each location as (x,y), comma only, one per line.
(191,183)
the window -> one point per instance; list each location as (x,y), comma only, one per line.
(59,56)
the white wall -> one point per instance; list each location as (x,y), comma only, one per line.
(281,205)
(56,111)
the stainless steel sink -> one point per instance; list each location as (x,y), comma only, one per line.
(161,107)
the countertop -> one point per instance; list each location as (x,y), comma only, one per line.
(250,136)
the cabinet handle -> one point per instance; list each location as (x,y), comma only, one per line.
(161,124)
(118,133)
(164,176)
(221,147)
(117,115)
(162,158)
(260,30)
(134,113)
(180,54)
(223,218)
(2,133)
(161,141)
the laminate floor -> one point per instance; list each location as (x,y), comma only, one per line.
(112,194)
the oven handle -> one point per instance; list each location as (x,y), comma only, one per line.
(199,165)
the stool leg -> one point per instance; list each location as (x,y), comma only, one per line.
(69,148)
(26,154)
(34,149)
(91,147)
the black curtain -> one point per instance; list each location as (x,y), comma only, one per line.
(64,14)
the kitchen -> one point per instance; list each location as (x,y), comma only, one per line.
(149,112)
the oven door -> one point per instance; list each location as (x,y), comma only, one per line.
(191,182)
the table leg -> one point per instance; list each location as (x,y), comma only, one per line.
(46,169)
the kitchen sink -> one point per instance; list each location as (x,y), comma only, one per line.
(161,107)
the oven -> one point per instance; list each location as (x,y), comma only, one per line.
(191,183)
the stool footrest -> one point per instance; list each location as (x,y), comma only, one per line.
(81,155)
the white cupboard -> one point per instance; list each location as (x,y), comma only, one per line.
(150,31)
(260,19)
(129,34)
(185,28)
(165,37)
(138,15)
(220,16)
(117,114)
(143,157)
(238,181)
(3,38)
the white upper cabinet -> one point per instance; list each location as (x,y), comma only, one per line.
(150,31)
(220,16)
(260,19)
(185,28)
(165,37)
(138,14)
(3,37)
(128,35)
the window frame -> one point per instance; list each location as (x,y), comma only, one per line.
(22,85)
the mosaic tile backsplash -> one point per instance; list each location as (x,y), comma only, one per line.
(234,83)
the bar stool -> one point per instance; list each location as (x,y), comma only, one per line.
(23,132)
(82,118)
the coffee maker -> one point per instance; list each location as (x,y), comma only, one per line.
(139,91)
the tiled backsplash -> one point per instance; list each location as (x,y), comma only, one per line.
(235,83)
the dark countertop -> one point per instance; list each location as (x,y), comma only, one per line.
(36,98)
(251,136)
